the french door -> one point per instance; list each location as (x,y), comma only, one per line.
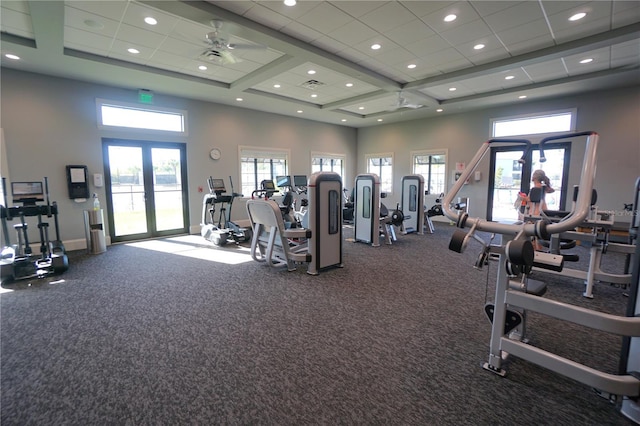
(146,187)
(508,177)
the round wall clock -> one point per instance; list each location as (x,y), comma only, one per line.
(214,154)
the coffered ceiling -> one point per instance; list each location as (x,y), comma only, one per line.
(315,60)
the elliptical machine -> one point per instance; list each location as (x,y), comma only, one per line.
(219,231)
(18,262)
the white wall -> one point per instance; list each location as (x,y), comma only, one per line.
(51,122)
(615,115)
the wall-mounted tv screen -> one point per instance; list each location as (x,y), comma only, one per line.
(300,180)
(27,192)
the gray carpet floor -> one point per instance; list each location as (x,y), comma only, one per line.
(177,332)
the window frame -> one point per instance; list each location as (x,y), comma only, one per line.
(329,156)
(261,152)
(381,155)
(572,111)
(430,152)
(128,105)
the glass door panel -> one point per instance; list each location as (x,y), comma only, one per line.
(167,189)
(554,169)
(507,179)
(128,204)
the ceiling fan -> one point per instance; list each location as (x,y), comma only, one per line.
(220,50)
(404,102)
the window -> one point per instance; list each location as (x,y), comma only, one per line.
(258,164)
(327,163)
(116,114)
(554,122)
(432,165)
(382,165)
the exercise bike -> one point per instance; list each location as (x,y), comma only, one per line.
(221,230)
(18,262)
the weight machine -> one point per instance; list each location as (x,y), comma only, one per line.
(516,257)
(18,262)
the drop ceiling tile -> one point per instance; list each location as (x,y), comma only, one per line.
(422,48)
(90,41)
(181,47)
(353,32)
(575,32)
(463,10)
(301,32)
(136,13)
(546,70)
(409,32)
(395,56)
(329,44)
(107,9)
(454,65)
(469,32)
(552,7)
(357,8)
(267,17)
(278,6)
(533,44)
(487,55)
(528,31)
(488,8)
(85,21)
(444,56)
(387,17)
(624,53)
(139,36)
(191,32)
(160,58)
(325,18)
(625,15)
(365,46)
(514,16)
(17,23)
(601,58)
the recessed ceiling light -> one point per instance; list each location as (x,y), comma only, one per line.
(349,84)
(452,89)
(522,97)
(151,21)
(361,108)
(239,99)
(478,46)
(509,77)
(289,2)
(343,120)
(12,56)
(132,50)
(299,111)
(439,110)
(202,68)
(311,72)
(586,61)
(314,95)
(411,66)
(277,86)
(577,16)
(375,46)
(450,18)
(93,23)
(380,119)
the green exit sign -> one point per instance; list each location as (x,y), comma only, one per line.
(145,96)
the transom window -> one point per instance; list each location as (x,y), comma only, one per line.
(116,114)
(553,122)
(432,165)
(382,165)
(258,164)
